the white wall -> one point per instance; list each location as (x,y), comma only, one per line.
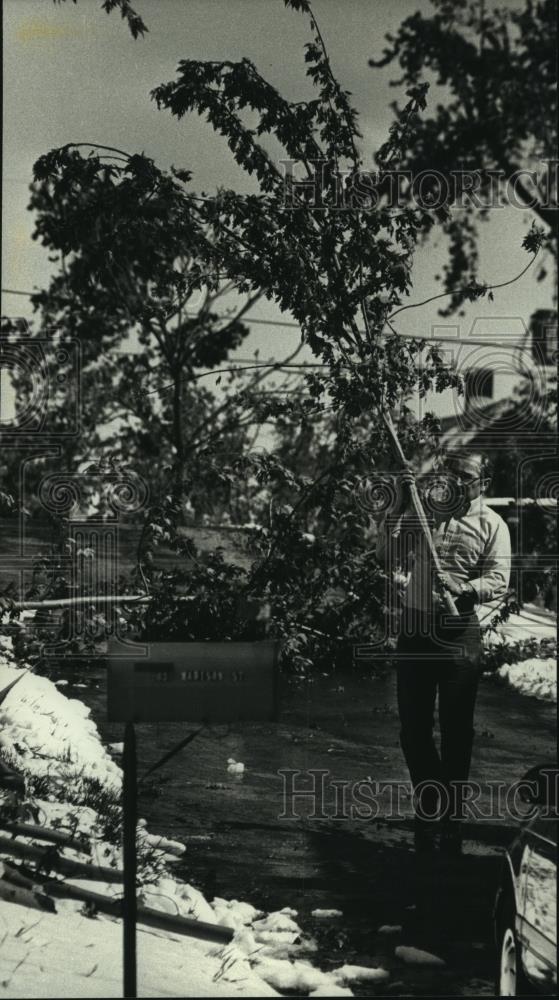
(500,345)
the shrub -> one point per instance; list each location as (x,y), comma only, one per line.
(494,657)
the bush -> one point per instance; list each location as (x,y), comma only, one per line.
(494,657)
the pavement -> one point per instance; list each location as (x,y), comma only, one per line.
(341,730)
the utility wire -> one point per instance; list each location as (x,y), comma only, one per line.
(459,341)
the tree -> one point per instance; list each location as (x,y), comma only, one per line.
(149,325)
(498,67)
(149,322)
(136,25)
(343,277)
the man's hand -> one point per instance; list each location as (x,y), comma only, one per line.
(405,480)
(453,587)
(465,596)
(407,475)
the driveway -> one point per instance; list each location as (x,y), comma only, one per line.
(346,726)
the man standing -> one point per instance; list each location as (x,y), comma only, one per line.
(438,653)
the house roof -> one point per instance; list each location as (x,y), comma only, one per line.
(486,427)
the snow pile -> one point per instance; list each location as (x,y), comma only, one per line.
(534,677)
(260,946)
(299,976)
(270,945)
(416,956)
(279,936)
(235,767)
(48,734)
(232,913)
(45,734)
(359,974)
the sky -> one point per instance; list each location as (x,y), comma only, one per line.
(73,73)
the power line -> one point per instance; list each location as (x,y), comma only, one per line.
(406,336)
(458,341)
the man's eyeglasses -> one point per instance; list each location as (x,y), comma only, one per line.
(462,480)
(467,482)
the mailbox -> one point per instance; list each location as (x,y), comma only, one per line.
(212,682)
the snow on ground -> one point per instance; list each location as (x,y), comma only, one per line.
(68,954)
(537,678)
(49,734)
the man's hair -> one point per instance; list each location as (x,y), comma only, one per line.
(462,454)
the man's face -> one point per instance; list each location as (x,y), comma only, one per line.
(457,483)
(466,476)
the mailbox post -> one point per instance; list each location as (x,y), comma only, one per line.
(130,812)
(208,682)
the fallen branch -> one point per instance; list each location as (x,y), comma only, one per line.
(44,833)
(113,907)
(76,602)
(25,897)
(145,914)
(50,860)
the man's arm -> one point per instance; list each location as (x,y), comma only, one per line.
(494,579)
(393,542)
(389,527)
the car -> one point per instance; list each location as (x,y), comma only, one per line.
(525,912)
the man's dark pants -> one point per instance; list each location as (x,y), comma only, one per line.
(438,655)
